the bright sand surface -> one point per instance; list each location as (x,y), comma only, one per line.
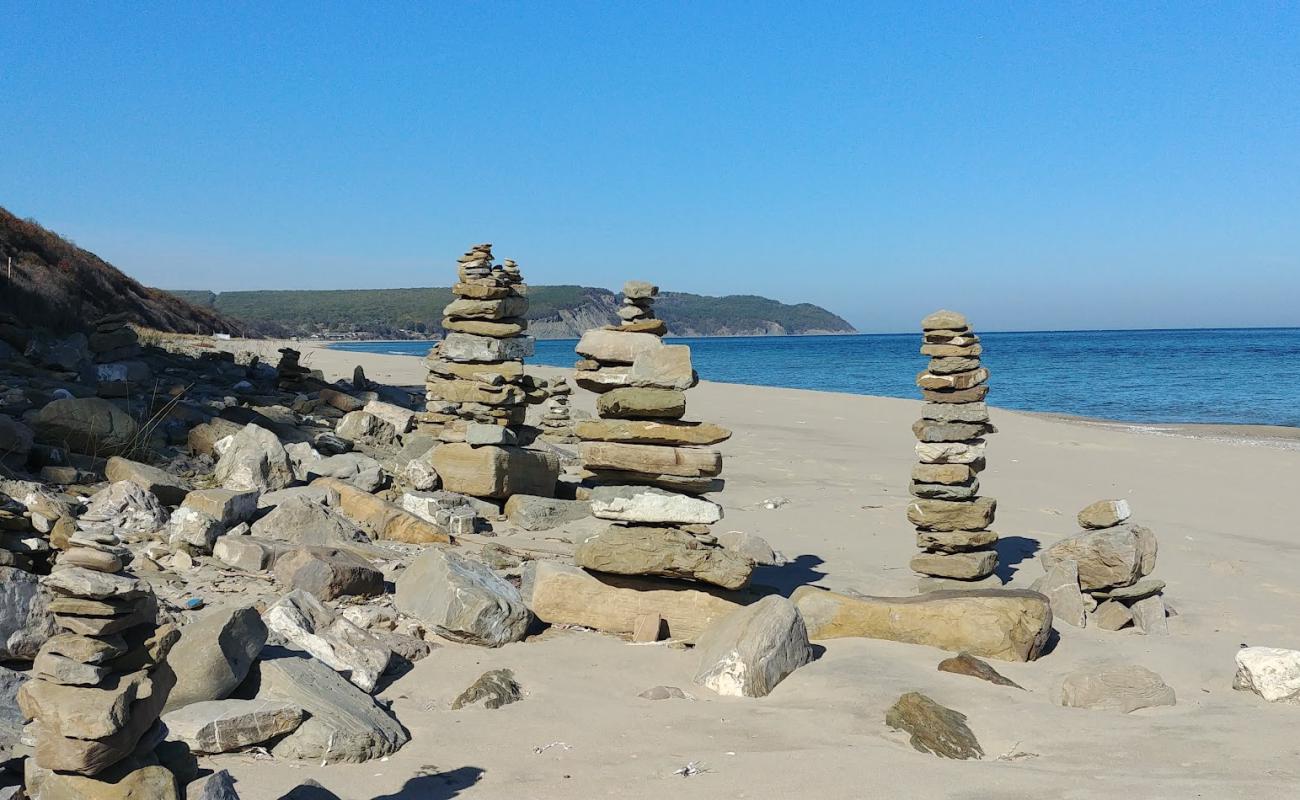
(1225,509)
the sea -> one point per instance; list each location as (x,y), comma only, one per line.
(1226,376)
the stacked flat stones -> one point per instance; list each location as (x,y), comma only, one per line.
(114,339)
(647,467)
(607,363)
(951,519)
(289,372)
(476,374)
(557,420)
(100,683)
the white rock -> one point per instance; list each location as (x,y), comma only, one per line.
(1270,672)
(648,504)
(309,625)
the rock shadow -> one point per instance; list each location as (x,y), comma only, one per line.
(1012,550)
(789,576)
(437,786)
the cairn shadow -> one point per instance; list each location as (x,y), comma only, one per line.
(789,576)
(436,786)
(1012,550)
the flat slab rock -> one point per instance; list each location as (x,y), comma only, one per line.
(493,689)
(664,552)
(223,726)
(934,728)
(1123,688)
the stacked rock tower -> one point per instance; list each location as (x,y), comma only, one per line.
(647,467)
(476,374)
(950,516)
(98,685)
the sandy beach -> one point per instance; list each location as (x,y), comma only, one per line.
(1220,504)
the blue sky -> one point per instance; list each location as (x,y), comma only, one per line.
(1037,165)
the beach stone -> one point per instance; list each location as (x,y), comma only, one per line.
(640,290)
(85,584)
(25,618)
(88,425)
(493,689)
(329,572)
(936,350)
(83,712)
(1270,672)
(1112,615)
(955,541)
(381,519)
(957,381)
(1105,514)
(967,664)
(307,624)
(666,367)
(668,432)
(496,472)
(152,782)
(223,726)
(956,412)
(255,459)
(127,507)
(365,428)
(749,651)
(230,506)
(600,379)
(1106,558)
(249,553)
(1007,624)
(11,716)
(501,328)
(216,651)
(219,785)
(302,521)
(1125,688)
(944,515)
(1147,548)
(59,669)
(934,729)
(641,403)
(949,474)
(1143,588)
(928,430)
(649,504)
(616,347)
(686,462)
(168,488)
(462,599)
(1149,616)
(948,365)
(202,439)
(663,693)
(343,724)
(950,452)
(945,320)
(85,649)
(972,565)
(534,513)
(1061,586)
(193,530)
(16,439)
(665,552)
(478,433)
(495,308)
(955,396)
(468,347)
(563,594)
(751,546)
(943,491)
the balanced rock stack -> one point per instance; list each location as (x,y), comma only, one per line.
(647,467)
(289,372)
(1099,576)
(114,339)
(609,352)
(476,389)
(98,685)
(951,519)
(557,421)
(637,314)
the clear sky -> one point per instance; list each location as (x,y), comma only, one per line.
(1037,165)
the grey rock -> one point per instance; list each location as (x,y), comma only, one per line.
(533,513)
(307,624)
(215,653)
(194,531)
(328,572)
(254,459)
(956,412)
(1105,514)
(217,786)
(493,689)
(664,552)
(972,565)
(302,521)
(1106,558)
(1149,616)
(465,347)
(222,726)
(751,546)
(1123,688)
(462,599)
(663,693)
(91,425)
(934,728)
(945,491)
(1143,588)
(344,723)
(1112,615)
(367,429)
(1061,585)
(25,618)
(748,652)
(126,507)
(11,716)
(168,488)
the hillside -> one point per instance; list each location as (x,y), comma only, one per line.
(61,287)
(555,312)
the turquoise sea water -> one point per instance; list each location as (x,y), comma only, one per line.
(1222,375)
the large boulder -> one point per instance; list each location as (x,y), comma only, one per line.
(343,725)
(1011,625)
(1270,672)
(309,625)
(751,650)
(564,594)
(254,459)
(125,507)
(496,472)
(462,599)
(1107,558)
(665,552)
(11,716)
(168,488)
(303,521)
(88,425)
(25,618)
(222,726)
(214,654)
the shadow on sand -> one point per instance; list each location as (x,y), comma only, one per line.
(790,575)
(434,786)
(1012,550)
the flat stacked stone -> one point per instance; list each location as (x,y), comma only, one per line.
(288,371)
(476,389)
(113,339)
(646,467)
(557,420)
(952,520)
(607,353)
(99,685)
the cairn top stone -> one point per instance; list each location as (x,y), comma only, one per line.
(944,320)
(637,290)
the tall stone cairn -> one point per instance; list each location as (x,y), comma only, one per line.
(646,467)
(952,521)
(98,685)
(476,389)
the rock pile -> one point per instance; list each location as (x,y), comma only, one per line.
(476,389)
(952,520)
(1100,575)
(99,685)
(288,371)
(557,421)
(114,339)
(608,353)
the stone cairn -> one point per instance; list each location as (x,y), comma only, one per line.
(99,684)
(289,372)
(476,374)
(557,420)
(951,519)
(1099,576)
(647,468)
(114,339)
